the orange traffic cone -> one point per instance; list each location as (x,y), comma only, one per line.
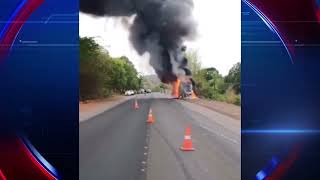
(136,105)
(187,143)
(150,117)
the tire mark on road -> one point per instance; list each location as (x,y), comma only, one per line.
(176,154)
(218,134)
(203,126)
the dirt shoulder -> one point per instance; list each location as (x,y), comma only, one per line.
(227,109)
(92,108)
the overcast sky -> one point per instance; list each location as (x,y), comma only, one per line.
(218,42)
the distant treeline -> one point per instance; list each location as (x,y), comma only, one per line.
(211,84)
(102,75)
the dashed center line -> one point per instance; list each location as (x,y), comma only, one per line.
(144,164)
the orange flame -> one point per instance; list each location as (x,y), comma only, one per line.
(193,95)
(176,88)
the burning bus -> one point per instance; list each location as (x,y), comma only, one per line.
(183,89)
(186,89)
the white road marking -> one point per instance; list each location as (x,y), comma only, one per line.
(219,134)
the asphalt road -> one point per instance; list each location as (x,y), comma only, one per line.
(118,144)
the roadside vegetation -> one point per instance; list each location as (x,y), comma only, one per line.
(210,84)
(102,75)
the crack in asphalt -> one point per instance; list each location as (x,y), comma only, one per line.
(203,126)
(176,154)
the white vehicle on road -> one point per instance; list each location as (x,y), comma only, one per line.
(129,93)
(141,91)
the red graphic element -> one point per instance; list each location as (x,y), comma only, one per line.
(17,162)
(317,9)
(16,24)
(2,177)
(283,168)
(295,20)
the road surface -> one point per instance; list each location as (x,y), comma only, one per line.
(118,144)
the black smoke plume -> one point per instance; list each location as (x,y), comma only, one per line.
(159,28)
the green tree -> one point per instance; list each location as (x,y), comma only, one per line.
(211,84)
(234,76)
(91,79)
(101,75)
(216,80)
(89,49)
(193,62)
